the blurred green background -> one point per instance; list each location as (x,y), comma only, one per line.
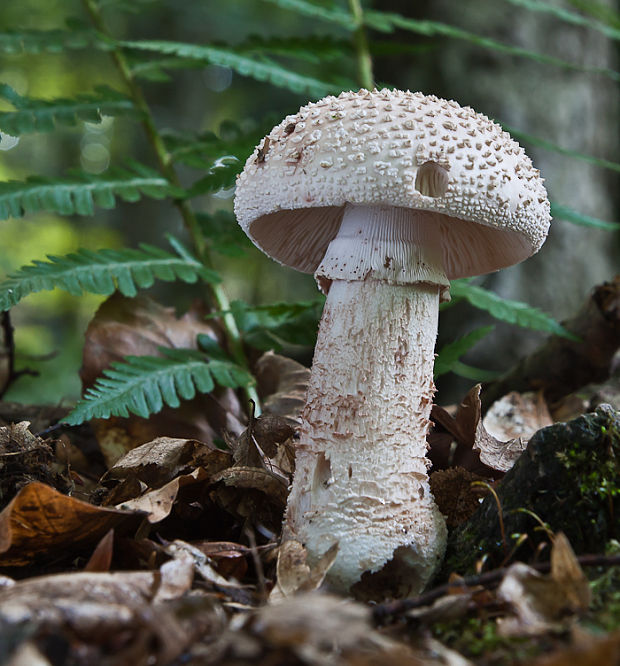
(573,108)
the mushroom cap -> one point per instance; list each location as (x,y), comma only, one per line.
(400,149)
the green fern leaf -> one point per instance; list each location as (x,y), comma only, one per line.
(450,354)
(220,177)
(548,145)
(513,312)
(223,234)
(276,325)
(35,115)
(313,48)
(49,41)
(259,69)
(387,22)
(81,192)
(102,272)
(475,374)
(564,213)
(567,16)
(201,151)
(143,384)
(600,11)
(332,14)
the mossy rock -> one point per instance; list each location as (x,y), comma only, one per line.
(569,476)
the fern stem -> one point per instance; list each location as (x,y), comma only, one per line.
(364,60)
(216,292)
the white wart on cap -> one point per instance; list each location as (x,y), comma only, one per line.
(398,149)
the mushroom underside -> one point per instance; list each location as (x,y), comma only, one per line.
(469,248)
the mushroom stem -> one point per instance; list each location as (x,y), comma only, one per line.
(361,471)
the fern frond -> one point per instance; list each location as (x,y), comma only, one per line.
(143,384)
(275,325)
(222,233)
(560,212)
(49,41)
(598,10)
(81,191)
(567,16)
(332,14)
(102,272)
(37,115)
(261,70)
(450,354)
(388,21)
(312,48)
(221,176)
(548,145)
(200,151)
(513,312)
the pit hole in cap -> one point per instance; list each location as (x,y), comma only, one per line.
(431,180)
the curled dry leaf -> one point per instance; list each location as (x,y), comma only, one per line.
(161,460)
(282,384)
(157,504)
(262,439)
(41,523)
(320,630)
(293,572)
(202,563)
(104,609)
(253,494)
(545,602)
(139,326)
(517,415)
(477,450)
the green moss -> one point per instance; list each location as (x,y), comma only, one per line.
(604,612)
(479,637)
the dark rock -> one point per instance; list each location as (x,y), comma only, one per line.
(569,477)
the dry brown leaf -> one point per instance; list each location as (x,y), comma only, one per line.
(41,523)
(230,559)
(282,384)
(476,450)
(181,550)
(157,504)
(262,439)
(324,630)
(272,485)
(27,654)
(139,326)
(517,415)
(545,603)
(110,610)
(293,572)
(568,574)
(161,460)
(590,651)
(461,429)
(499,456)
(101,559)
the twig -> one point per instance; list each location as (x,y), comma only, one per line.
(258,565)
(217,294)
(383,612)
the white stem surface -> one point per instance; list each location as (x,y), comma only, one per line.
(361,471)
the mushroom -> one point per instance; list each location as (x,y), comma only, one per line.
(385,196)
